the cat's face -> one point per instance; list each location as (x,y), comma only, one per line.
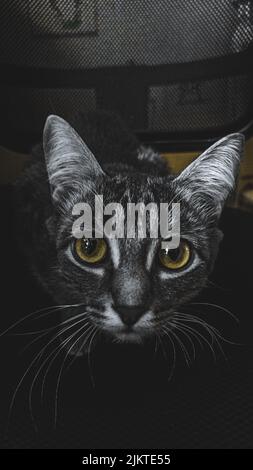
(130,287)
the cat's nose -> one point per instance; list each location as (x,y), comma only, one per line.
(130,315)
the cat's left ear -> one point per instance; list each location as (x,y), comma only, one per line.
(70,163)
(207,182)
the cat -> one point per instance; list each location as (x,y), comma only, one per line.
(129,289)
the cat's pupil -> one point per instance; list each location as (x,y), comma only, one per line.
(173,254)
(89,246)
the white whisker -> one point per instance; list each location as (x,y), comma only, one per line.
(37,357)
(51,310)
(62,366)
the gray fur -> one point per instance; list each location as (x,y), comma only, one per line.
(69,161)
(122,171)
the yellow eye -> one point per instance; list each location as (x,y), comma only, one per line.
(177,258)
(90,250)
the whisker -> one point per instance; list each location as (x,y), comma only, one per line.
(187,335)
(62,366)
(181,325)
(219,307)
(59,346)
(213,332)
(62,308)
(162,345)
(198,335)
(80,349)
(52,340)
(55,352)
(51,310)
(37,357)
(213,329)
(156,343)
(180,342)
(184,349)
(174,354)
(51,362)
(54,327)
(89,357)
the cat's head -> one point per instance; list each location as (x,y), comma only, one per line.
(131,287)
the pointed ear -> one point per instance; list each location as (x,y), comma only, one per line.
(207,182)
(70,163)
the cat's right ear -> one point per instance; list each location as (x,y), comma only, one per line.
(209,180)
(71,166)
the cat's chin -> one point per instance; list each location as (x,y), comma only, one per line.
(128,337)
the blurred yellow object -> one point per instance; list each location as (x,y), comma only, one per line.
(177,161)
(248,196)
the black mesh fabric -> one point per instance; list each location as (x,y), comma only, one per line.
(94,33)
(35,104)
(199,105)
(121,55)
